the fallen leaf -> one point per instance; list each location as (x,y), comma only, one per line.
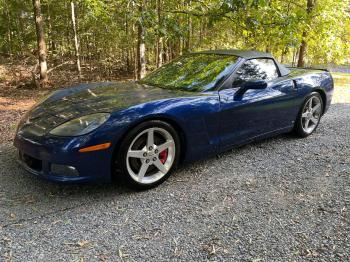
(121,254)
(83,243)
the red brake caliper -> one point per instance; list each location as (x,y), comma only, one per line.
(163,156)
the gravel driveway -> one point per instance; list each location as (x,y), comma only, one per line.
(283,199)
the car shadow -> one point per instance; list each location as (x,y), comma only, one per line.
(16,181)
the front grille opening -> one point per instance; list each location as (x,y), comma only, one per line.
(31,162)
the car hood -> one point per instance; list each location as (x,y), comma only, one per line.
(85,99)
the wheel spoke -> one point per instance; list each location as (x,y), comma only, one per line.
(136,153)
(142,171)
(307,122)
(315,108)
(165,145)
(160,166)
(310,103)
(314,120)
(150,138)
(304,115)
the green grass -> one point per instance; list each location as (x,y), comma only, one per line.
(341,79)
(342,88)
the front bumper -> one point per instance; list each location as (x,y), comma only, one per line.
(42,157)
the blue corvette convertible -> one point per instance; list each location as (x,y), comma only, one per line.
(199,104)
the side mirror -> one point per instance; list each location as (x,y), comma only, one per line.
(256,84)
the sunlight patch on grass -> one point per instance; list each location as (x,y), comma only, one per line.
(342,88)
(341,79)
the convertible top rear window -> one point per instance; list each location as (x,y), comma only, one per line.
(192,72)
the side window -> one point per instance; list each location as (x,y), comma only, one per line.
(256,69)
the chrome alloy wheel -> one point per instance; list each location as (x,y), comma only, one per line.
(150,155)
(311,115)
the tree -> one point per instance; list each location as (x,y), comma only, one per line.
(40,40)
(141,47)
(159,55)
(76,43)
(110,36)
(9,30)
(302,51)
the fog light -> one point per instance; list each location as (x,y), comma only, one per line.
(63,170)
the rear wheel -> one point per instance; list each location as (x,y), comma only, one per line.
(148,154)
(309,116)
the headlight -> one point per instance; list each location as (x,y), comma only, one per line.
(80,126)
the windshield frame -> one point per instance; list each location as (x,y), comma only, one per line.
(216,87)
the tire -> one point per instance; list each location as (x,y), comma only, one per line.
(309,115)
(144,162)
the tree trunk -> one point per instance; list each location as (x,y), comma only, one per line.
(41,40)
(159,57)
(141,44)
(52,44)
(126,49)
(294,52)
(189,31)
(76,42)
(141,53)
(302,51)
(201,30)
(284,53)
(303,46)
(164,57)
(136,59)
(135,51)
(68,18)
(9,30)
(295,56)
(167,51)
(22,31)
(160,52)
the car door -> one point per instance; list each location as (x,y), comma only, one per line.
(257,111)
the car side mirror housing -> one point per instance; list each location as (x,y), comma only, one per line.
(255,84)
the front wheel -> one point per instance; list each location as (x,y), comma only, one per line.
(148,154)
(309,116)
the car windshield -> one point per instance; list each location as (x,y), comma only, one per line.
(192,72)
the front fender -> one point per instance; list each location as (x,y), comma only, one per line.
(196,117)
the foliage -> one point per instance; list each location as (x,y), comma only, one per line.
(107,30)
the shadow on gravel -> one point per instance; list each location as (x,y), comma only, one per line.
(16,182)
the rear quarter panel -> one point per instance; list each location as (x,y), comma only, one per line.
(309,80)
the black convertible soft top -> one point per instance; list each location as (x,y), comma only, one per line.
(248,54)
